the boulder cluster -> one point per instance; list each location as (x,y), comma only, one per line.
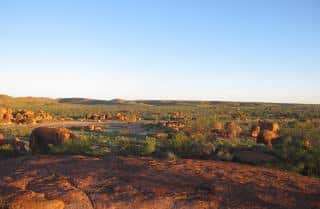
(121,117)
(23,116)
(97,117)
(115,116)
(217,126)
(93,128)
(175,125)
(265,132)
(229,130)
(177,116)
(5,115)
(176,121)
(232,129)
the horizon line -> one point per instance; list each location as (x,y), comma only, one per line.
(168,100)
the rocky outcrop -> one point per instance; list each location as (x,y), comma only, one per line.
(5,115)
(23,116)
(47,191)
(265,132)
(96,117)
(255,130)
(114,116)
(124,183)
(174,125)
(93,128)
(232,129)
(176,116)
(217,127)
(29,199)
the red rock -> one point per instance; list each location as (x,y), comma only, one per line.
(32,200)
(145,183)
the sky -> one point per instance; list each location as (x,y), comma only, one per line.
(231,50)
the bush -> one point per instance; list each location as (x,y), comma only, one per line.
(23,131)
(8,150)
(186,147)
(120,145)
(200,149)
(224,150)
(149,146)
(124,146)
(74,146)
(207,123)
(313,135)
(295,156)
(180,141)
(312,162)
(179,144)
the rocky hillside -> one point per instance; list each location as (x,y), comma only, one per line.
(58,182)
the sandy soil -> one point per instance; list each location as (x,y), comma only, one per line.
(110,125)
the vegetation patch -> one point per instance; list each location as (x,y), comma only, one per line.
(228,131)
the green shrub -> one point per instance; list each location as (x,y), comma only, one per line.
(178,144)
(149,145)
(312,162)
(20,131)
(184,146)
(203,122)
(120,145)
(74,146)
(8,150)
(180,141)
(124,146)
(199,149)
(295,156)
(224,150)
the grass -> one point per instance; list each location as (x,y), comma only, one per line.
(104,145)
(73,147)
(16,131)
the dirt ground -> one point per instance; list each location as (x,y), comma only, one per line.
(76,182)
(134,128)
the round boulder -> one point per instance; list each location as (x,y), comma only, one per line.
(41,137)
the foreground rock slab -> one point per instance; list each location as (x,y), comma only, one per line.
(76,182)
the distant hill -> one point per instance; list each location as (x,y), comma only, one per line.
(8,100)
(86,101)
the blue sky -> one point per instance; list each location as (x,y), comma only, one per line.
(240,50)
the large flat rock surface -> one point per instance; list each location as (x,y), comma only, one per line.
(76,182)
